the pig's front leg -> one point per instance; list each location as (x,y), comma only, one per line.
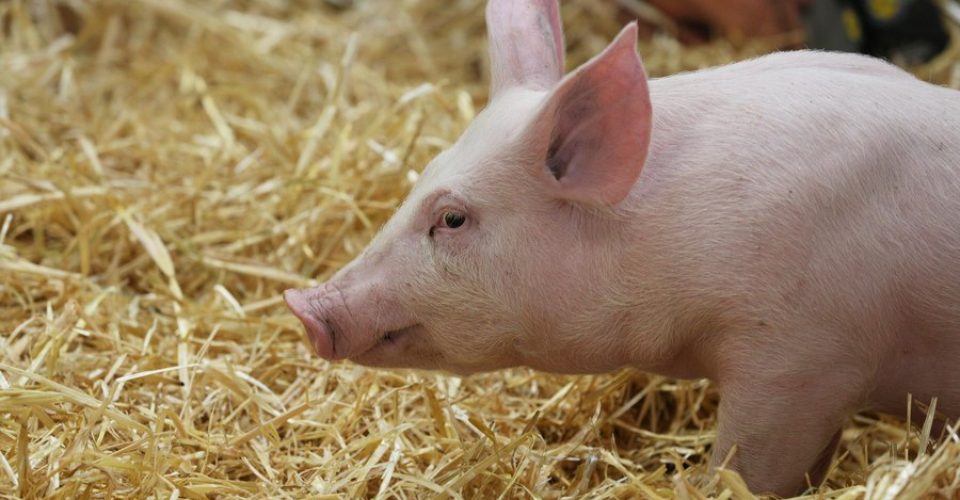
(783,426)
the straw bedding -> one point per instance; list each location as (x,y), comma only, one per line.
(168,167)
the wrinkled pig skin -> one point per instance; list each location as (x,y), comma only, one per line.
(787,226)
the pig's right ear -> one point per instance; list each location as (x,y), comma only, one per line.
(526,44)
(594,128)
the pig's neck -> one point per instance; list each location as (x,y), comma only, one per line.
(671,335)
(648,302)
(674,253)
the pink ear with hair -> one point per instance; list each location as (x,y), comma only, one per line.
(596,126)
(526,44)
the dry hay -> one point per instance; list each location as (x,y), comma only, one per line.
(168,167)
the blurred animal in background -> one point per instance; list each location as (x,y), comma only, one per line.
(905,31)
(697,20)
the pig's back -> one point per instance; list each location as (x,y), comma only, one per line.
(809,140)
(822,185)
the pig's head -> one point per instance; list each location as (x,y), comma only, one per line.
(504,251)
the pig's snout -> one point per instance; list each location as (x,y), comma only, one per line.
(318,330)
(358,320)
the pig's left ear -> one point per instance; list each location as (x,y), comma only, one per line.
(595,126)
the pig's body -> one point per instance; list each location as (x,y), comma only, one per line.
(788,226)
(810,245)
(826,220)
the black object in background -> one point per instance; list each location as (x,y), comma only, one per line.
(905,31)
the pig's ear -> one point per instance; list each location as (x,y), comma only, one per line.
(595,126)
(526,44)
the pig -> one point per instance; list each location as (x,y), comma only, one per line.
(787,226)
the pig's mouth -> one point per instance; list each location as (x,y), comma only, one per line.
(394,335)
(390,340)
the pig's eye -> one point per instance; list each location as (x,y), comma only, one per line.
(452,220)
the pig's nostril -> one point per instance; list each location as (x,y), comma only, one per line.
(321,337)
(333,338)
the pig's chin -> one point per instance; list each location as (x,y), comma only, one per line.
(390,350)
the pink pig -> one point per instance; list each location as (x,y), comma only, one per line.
(788,227)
